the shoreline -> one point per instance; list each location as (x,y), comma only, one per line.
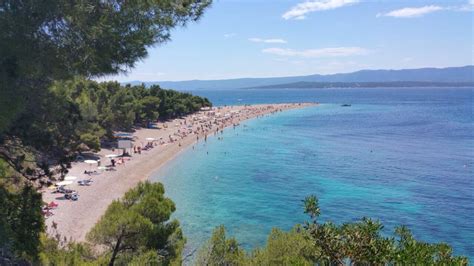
(73,219)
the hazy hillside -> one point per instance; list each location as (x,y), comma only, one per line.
(450,74)
(384,84)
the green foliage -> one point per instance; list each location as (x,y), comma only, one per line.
(148,108)
(135,230)
(138,225)
(357,243)
(311,206)
(284,248)
(77,114)
(43,41)
(92,141)
(3,171)
(410,251)
(11,105)
(21,222)
(362,243)
(149,258)
(73,254)
(175,103)
(220,251)
(45,119)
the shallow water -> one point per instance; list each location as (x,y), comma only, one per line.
(404,156)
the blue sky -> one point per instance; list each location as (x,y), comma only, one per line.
(270,38)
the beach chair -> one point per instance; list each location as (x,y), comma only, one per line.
(61,189)
(72,196)
(86,182)
(55,189)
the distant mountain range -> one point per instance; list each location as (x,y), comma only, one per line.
(436,77)
(387,84)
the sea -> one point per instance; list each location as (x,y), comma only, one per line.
(404,156)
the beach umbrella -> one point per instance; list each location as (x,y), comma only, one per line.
(150,139)
(111,156)
(64,183)
(91,162)
(70,178)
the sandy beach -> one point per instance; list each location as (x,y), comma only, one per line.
(73,219)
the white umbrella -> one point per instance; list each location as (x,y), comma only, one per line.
(91,162)
(111,155)
(64,183)
(70,178)
(150,139)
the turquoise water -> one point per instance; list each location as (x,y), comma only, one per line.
(398,155)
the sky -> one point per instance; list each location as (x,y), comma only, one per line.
(272,38)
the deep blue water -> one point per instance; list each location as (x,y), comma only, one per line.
(404,156)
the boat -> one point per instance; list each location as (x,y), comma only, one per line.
(346,105)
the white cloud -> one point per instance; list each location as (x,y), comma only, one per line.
(411,12)
(469,6)
(313,53)
(299,11)
(229,35)
(267,40)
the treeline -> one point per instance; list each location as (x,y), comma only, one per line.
(108,106)
(75,115)
(46,112)
(136,230)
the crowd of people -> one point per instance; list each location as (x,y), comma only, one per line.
(191,128)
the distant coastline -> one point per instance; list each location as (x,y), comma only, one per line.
(392,84)
(432,77)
